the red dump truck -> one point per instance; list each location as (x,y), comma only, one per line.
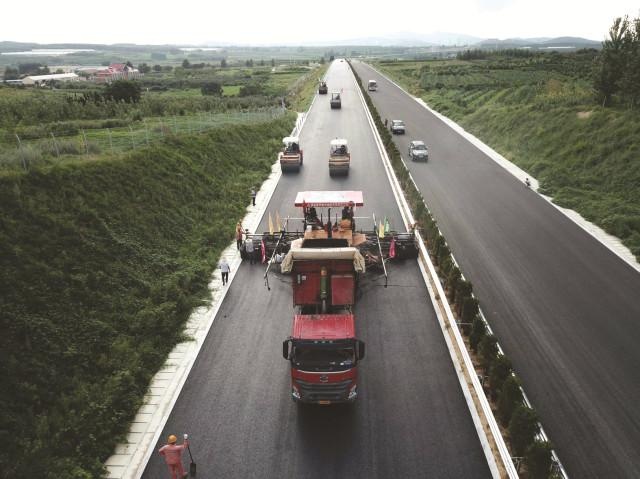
(323,347)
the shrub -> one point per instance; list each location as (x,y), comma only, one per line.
(523,428)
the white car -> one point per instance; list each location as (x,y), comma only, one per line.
(397,127)
(418,151)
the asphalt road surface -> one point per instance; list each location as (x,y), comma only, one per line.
(410,419)
(565,309)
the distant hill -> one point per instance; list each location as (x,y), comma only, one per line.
(560,43)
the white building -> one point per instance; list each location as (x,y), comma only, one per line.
(40,79)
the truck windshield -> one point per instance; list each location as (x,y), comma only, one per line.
(323,357)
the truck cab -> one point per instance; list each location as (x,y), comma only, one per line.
(323,349)
(372,86)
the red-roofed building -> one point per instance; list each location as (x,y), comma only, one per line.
(117,71)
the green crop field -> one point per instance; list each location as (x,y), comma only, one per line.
(540,111)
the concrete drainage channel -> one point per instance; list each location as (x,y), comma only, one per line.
(451,328)
(130,458)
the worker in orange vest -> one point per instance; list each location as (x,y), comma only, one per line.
(172,454)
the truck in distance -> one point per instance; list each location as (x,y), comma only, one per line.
(339,157)
(335,102)
(291,155)
(372,85)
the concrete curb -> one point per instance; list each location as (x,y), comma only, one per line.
(486,426)
(130,458)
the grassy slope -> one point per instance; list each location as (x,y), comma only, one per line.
(540,114)
(100,265)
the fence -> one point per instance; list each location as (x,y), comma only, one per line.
(46,150)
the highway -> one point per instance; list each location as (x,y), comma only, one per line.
(564,307)
(410,420)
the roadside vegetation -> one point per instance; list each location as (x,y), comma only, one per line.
(104,252)
(550,114)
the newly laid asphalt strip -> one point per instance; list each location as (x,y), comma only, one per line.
(410,420)
(565,309)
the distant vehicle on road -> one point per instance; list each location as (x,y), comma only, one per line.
(335,101)
(372,86)
(322,88)
(418,151)
(291,155)
(339,157)
(397,127)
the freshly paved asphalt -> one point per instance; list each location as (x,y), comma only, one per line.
(565,309)
(410,420)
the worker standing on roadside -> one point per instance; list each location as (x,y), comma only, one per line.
(225,269)
(253,195)
(172,454)
(249,248)
(239,235)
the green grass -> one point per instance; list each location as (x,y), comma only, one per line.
(100,265)
(231,90)
(541,114)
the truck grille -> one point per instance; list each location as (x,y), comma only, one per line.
(333,392)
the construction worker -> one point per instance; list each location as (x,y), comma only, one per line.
(239,232)
(172,454)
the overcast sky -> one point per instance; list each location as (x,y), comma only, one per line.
(301,21)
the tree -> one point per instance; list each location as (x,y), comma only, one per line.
(322,60)
(611,61)
(129,64)
(500,370)
(157,68)
(185,63)
(249,62)
(11,73)
(488,350)
(478,331)
(223,63)
(538,460)
(211,88)
(144,68)
(523,428)
(273,62)
(630,80)
(123,90)
(510,398)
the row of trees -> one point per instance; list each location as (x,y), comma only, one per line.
(618,70)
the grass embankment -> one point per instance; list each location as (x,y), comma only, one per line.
(302,92)
(540,113)
(100,265)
